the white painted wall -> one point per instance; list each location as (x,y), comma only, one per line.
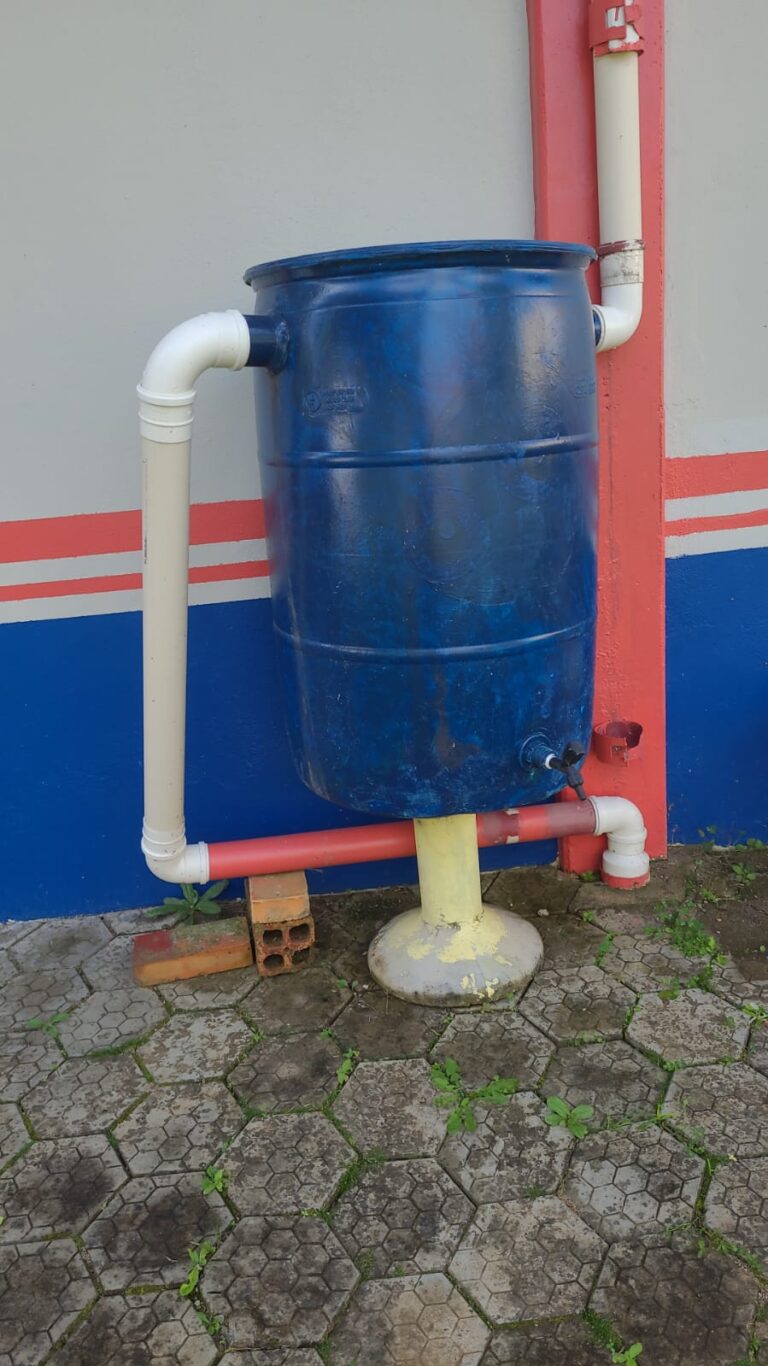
(157,149)
(716,209)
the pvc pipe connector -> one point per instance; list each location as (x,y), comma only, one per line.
(625,862)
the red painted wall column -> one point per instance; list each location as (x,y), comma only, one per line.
(630,637)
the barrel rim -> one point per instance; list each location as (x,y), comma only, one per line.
(421,255)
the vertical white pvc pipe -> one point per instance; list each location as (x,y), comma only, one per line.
(617,120)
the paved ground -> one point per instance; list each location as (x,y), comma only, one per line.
(345,1217)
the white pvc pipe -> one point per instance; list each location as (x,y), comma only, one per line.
(625,857)
(617,128)
(166,395)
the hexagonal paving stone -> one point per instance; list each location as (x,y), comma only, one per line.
(108,1018)
(390,1107)
(43,1288)
(39,995)
(155,1329)
(293,1356)
(733,984)
(111,968)
(685,1308)
(522,1261)
(60,944)
(382,1026)
(143,1235)
(288,1073)
(297,1001)
(529,890)
(724,1108)
(11,931)
(192,1047)
(694,1027)
(347,924)
(278,1280)
(646,964)
(84,1096)
(213,992)
(616,1080)
(25,1058)
(577,1003)
(737,1204)
(8,968)
(13,1134)
(567,1342)
(286,1163)
(179,1128)
(136,921)
(511,1155)
(412,1319)
(487,1045)
(638,1181)
(58,1187)
(402,1218)
(568,941)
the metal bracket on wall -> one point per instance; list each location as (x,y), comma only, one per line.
(614,28)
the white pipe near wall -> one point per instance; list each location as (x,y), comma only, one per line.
(617,131)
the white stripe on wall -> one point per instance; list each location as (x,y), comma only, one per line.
(707,542)
(716,504)
(105,604)
(124,562)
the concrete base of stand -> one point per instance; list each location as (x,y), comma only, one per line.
(485,958)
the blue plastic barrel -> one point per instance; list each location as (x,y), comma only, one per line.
(428,457)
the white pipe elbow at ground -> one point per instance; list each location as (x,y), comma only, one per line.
(622,822)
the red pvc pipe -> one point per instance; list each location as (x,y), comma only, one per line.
(395,839)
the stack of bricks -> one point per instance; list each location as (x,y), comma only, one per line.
(281,922)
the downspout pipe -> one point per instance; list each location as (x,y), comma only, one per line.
(616,44)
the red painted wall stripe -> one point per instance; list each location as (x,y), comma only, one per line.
(115,583)
(719,522)
(630,646)
(105,533)
(696,475)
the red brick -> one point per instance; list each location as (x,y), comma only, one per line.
(283,947)
(277,897)
(191,951)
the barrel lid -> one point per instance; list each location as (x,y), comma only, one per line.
(421,255)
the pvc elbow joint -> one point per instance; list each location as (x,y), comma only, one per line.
(625,862)
(174,860)
(618,314)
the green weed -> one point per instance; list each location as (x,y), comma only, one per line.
(679,926)
(49,1025)
(453,1095)
(198,1256)
(347,1065)
(604,948)
(589,917)
(743,873)
(211,1323)
(604,1335)
(559,1114)
(758,1014)
(191,902)
(589,876)
(214,1179)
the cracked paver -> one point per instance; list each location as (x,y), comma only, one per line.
(143,1235)
(635,1182)
(278,1281)
(382,1026)
(84,1096)
(155,1329)
(615,1079)
(192,1047)
(577,1003)
(26,1057)
(212,992)
(725,1108)
(737,1204)
(110,1018)
(297,1002)
(298,1072)
(567,1342)
(494,1044)
(694,1027)
(511,1155)
(179,1128)
(522,1260)
(403,1218)
(286,1163)
(43,1288)
(13,1134)
(686,1309)
(39,995)
(58,1187)
(389,1107)
(413,1319)
(58,945)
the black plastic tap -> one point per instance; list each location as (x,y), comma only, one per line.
(568,764)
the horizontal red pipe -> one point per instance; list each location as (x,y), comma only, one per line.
(395,839)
